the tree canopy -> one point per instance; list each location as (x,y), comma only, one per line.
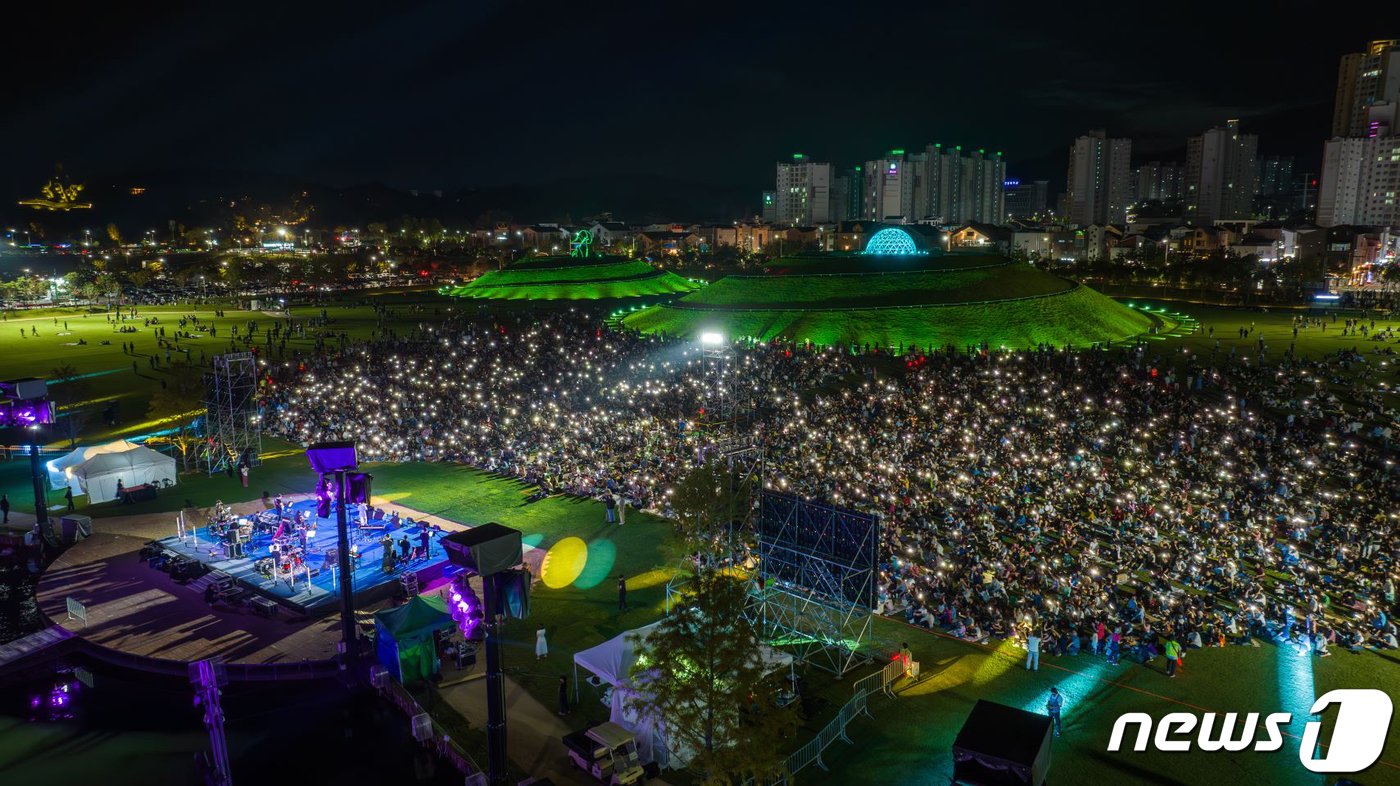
(701,670)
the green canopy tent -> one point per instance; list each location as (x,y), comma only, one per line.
(404,637)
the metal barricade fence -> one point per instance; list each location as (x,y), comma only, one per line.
(861,690)
(441,741)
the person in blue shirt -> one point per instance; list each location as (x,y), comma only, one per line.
(1053,705)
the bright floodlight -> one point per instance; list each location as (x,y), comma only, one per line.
(711,338)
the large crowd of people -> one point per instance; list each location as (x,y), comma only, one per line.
(1096,500)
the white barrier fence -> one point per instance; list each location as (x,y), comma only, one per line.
(861,690)
(76,610)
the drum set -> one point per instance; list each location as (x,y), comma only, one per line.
(290,537)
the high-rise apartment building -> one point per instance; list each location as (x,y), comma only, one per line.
(1027,198)
(1157,181)
(1364,80)
(954,187)
(803,192)
(1361,163)
(889,188)
(1220,173)
(1097,179)
(1360,182)
(1275,175)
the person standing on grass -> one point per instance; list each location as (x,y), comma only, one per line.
(67,497)
(5,507)
(541,644)
(1032,652)
(621,592)
(1053,705)
(610,504)
(1172,649)
(563,694)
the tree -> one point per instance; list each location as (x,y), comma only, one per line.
(706,501)
(68,390)
(180,400)
(701,671)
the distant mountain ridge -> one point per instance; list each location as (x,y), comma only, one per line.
(207,197)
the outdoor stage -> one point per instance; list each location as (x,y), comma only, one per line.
(311,586)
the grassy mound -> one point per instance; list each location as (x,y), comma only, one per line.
(604,280)
(838,262)
(870,290)
(1004,305)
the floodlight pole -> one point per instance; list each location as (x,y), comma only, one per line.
(36,473)
(347,577)
(495,685)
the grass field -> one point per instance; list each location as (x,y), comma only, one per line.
(871,290)
(609,280)
(1079,317)
(662,282)
(107,376)
(820,263)
(564,274)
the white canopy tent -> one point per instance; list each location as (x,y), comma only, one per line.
(98,475)
(612,662)
(59,469)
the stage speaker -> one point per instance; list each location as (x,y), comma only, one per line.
(485,550)
(359,483)
(331,456)
(514,597)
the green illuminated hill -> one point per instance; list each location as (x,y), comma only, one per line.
(942,300)
(564,278)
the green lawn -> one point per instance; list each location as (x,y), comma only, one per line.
(606,281)
(661,282)
(107,376)
(909,739)
(870,290)
(828,262)
(563,274)
(1379,375)
(284,469)
(1079,317)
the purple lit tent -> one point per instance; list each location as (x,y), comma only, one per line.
(1002,746)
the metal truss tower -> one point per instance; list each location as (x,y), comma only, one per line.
(717,393)
(233,427)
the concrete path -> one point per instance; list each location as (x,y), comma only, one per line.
(534,733)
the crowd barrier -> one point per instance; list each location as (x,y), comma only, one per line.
(859,704)
(440,741)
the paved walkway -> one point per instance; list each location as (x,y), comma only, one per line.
(534,733)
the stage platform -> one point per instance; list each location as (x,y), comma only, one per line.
(316,592)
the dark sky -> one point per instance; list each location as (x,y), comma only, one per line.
(473,93)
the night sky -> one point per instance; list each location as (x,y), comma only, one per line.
(469,93)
